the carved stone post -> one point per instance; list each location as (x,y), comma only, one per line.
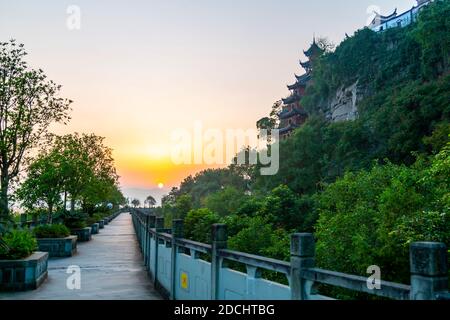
(177,233)
(159,226)
(219,241)
(146,236)
(429,270)
(302,257)
(151,225)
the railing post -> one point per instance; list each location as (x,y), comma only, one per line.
(219,241)
(302,257)
(159,226)
(429,270)
(146,236)
(177,233)
(150,225)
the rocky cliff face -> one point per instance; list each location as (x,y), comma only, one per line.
(344,105)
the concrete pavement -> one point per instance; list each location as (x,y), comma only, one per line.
(111,269)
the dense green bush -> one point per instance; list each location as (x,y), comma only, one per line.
(94,219)
(225,202)
(197,225)
(75,220)
(371,217)
(51,231)
(261,238)
(17,244)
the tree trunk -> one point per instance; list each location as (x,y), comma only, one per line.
(50,214)
(65,202)
(4,184)
(72,204)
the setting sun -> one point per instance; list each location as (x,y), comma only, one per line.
(160,185)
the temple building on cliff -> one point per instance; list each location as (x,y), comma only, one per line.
(293,115)
(381,23)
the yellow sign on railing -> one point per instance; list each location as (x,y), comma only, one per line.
(184,281)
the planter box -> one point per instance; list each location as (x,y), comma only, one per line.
(24,274)
(82,234)
(62,247)
(95,228)
(101,224)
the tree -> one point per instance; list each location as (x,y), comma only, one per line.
(44,182)
(29,103)
(102,185)
(205,183)
(260,237)
(151,201)
(183,205)
(136,203)
(371,217)
(77,167)
(225,202)
(325,44)
(271,122)
(197,225)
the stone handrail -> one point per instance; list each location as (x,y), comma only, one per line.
(257,261)
(428,264)
(357,283)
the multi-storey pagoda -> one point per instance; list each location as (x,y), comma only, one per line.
(293,114)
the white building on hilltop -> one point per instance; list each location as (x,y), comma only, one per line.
(381,23)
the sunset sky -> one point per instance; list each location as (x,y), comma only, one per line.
(138,70)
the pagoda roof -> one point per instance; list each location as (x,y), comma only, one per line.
(291,99)
(302,81)
(287,129)
(313,49)
(304,78)
(294,112)
(295,86)
(306,65)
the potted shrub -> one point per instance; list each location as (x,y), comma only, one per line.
(93,222)
(56,240)
(76,222)
(21,268)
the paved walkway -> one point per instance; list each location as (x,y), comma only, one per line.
(111,269)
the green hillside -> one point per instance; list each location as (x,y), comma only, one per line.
(366,188)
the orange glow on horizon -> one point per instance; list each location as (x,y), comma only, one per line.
(145,172)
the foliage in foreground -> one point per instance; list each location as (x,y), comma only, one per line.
(29,104)
(371,217)
(79,167)
(50,231)
(17,244)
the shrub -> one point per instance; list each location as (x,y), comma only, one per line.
(17,244)
(93,219)
(225,202)
(261,238)
(75,220)
(370,218)
(51,231)
(197,225)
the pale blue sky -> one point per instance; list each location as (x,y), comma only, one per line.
(138,69)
